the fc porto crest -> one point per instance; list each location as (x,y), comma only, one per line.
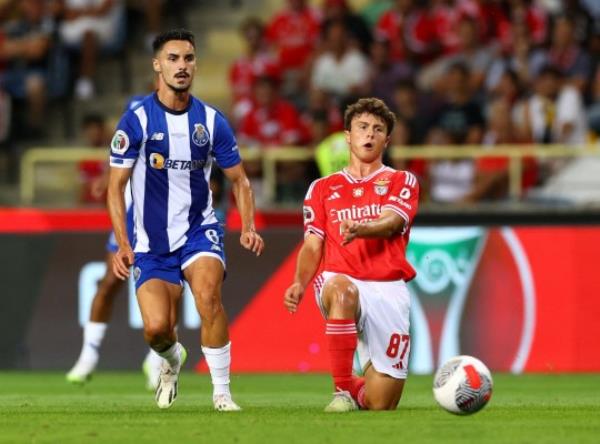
(200,135)
(382,187)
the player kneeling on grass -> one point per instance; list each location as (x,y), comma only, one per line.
(357,223)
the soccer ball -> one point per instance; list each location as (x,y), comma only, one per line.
(463,385)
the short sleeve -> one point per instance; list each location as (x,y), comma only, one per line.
(403,198)
(225,147)
(314,215)
(126,142)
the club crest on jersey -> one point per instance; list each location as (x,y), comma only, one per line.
(119,142)
(200,135)
(382,187)
(358,192)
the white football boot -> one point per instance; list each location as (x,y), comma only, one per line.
(151,368)
(166,392)
(224,403)
(342,402)
(81,371)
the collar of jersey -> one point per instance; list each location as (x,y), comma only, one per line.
(353,179)
(172,111)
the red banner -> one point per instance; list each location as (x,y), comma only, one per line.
(528,299)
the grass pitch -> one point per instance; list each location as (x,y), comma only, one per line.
(115,408)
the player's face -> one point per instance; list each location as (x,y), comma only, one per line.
(367,137)
(175,64)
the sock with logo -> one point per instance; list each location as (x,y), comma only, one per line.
(219,361)
(341,342)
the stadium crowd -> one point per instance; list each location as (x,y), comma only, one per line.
(475,72)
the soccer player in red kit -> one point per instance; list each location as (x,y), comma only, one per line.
(356,225)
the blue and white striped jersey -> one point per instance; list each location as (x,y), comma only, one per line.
(171,153)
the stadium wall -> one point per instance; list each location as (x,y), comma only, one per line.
(521,298)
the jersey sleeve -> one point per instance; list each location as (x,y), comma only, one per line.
(225,147)
(403,198)
(313,212)
(126,142)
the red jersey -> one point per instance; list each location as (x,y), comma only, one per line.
(340,196)
(295,34)
(245,70)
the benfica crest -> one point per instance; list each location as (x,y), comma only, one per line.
(382,187)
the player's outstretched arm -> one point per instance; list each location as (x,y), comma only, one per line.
(307,264)
(387,225)
(244,200)
(117,181)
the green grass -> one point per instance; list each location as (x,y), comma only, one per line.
(114,408)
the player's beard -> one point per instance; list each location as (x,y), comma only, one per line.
(180,89)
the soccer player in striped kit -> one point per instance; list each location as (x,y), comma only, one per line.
(356,227)
(167,145)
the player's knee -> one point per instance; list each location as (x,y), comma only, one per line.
(156,330)
(209,304)
(381,404)
(342,293)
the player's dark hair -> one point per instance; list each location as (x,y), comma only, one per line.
(173,34)
(372,106)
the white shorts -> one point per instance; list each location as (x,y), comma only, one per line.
(383,324)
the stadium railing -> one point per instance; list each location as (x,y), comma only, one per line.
(269,159)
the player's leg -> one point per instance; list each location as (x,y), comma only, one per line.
(382,392)
(385,341)
(156,298)
(95,328)
(205,276)
(340,302)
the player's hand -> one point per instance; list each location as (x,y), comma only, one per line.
(122,260)
(293,296)
(349,231)
(252,241)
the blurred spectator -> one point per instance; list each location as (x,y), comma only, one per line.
(523,14)
(322,116)
(257,61)
(555,112)
(25,48)
(96,134)
(524,60)
(460,117)
(332,154)
(294,33)
(335,10)
(444,16)
(272,121)
(594,109)
(472,53)
(491,180)
(340,70)
(89,26)
(386,73)
(508,89)
(448,181)
(397,25)
(566,54)
(583,21)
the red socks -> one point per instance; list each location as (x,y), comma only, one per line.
(341,341)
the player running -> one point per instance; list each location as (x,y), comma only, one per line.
(357,224)
(167,146)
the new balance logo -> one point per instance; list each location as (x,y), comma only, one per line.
(157,136)
(334,195)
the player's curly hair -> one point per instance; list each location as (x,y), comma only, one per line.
(373,106)
(173,34)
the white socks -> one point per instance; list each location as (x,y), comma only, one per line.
(219,361)
(93,334)
(172,355)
